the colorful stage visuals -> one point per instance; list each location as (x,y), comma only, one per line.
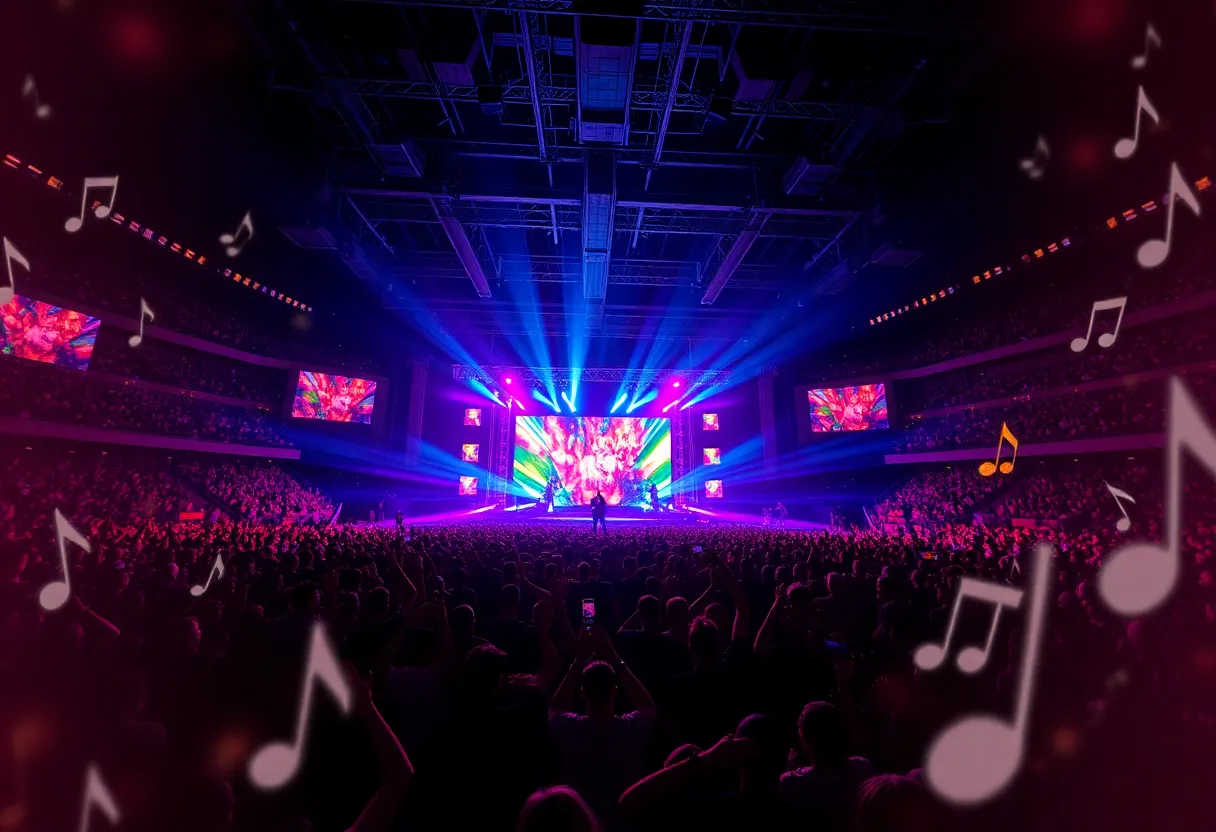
(713,456)
(863,407)
(52,334)
(334,398)
(713,489)
(469,453)
(468,487)
(472,417)
(709,421)
(618,456)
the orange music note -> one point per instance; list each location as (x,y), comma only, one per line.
(1137,578)
(11,254)
(230,239)
(144,311)
(96,794)
(987,469)
(217,570)
(975,757)
(1154,252)
(74,224)
(1125,148)
(277,762)
(1150,36)
(1106,338)
(55,594)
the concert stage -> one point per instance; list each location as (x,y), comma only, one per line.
(617,515)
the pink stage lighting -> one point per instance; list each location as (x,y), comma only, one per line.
(507,379)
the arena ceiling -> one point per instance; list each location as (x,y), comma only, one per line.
(613,161)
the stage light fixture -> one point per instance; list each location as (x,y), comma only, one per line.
(507,379)
(675,383)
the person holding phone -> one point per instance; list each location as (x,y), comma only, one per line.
(600,754)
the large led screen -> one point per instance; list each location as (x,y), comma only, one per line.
(334,398)
(620,457)
(862,407)
(41,332)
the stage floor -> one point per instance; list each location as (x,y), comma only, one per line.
(572,516)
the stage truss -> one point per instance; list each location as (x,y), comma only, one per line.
(562,377)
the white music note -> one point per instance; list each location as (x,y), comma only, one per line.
(74,224)
(1034,169)
(1125,522)
(56,593)
(974,758)
(30,90)
(1150,36)
(217,571)
(277,762)
(1137,578)
(970,660)
(1106,338)
(145,311)
(230,239)
(1153,252)
(96,794)
(11,254)
(1125,148)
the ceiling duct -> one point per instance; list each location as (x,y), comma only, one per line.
(599,198)
(605,60)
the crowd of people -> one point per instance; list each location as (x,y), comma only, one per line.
(939,496)
(530,677)
(261,325)
(166,363)
(257,491)
(1174,343)
(1127,410)
(54,394)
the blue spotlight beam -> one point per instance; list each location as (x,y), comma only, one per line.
(619,402)
(569,403)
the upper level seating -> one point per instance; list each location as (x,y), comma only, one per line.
(49,393)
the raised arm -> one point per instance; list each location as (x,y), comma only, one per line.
(563,697)
(764,638)
(727,754)
(631,684)
(395,766)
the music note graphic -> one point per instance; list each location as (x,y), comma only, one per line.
(976,757)
(30,90)
(1150,37)
(145,311)
(1153,252)
(277,762)
(970,660)
(11,254)
(1126,522)
(987,469)
(1137,578)
(96,794)
(1032,165)
(1106,338)
(217,571)
(230,239)
(73,224)
(1125,148)
(55,594)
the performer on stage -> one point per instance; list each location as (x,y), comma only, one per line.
(781,514)
(654,498)
(599,507)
